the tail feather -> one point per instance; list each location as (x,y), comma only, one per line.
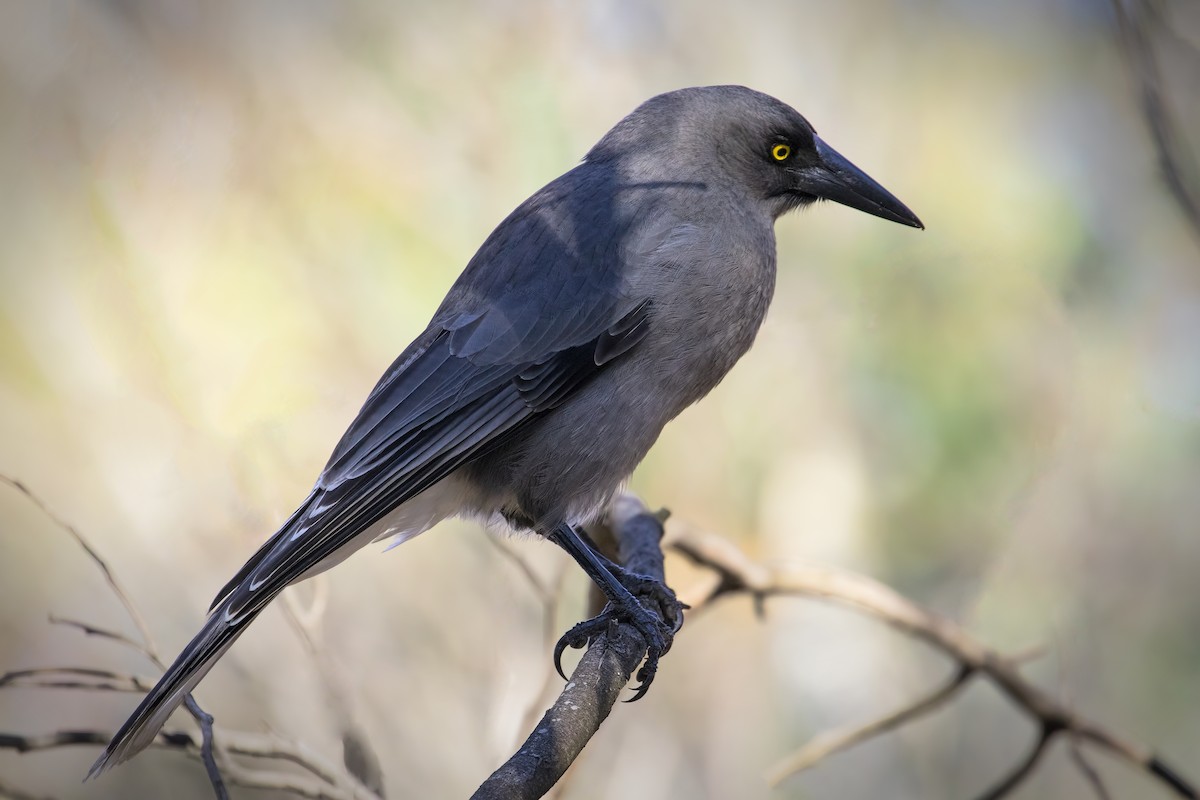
(205,649)
(284,559)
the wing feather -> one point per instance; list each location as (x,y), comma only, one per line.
(420,435)
(544,306)
(541,309)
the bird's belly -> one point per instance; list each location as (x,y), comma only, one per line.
(567,464)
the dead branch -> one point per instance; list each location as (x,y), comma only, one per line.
(549,595)
(326,781)
(595,684)
(604,670)
(323,780)
(1089,772)
(94,680)
(358,756)
(826,744)
(148,646)
(1134,21)
(1023,769)
(739,575)
(207,756)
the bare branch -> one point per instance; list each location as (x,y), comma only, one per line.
(1177,169)
(603,672)
(358,756)
(206,750)
(94,555)
(1022,770)
(542,590)
(1089,772)
(740,574)
(97,680)
(207,757)
(595,685)
(322,782)
(92,630)
(826,744)
(46,741)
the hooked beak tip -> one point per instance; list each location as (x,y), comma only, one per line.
(835,178)
(913,222)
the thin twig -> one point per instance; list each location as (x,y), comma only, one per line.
(306,620)
(1022,770)
(358,756)
(323,781)
(93,630)
(826,744)
(548,594)
(549,632)
(605,669)
(741,575)
(1089,772)
(101,680)
(207,757)
(104,680)
(543,590)
(117,589)
(1177,169)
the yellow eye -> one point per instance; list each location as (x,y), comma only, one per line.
(780,152)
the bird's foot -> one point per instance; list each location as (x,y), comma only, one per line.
(653,610)
(661,596)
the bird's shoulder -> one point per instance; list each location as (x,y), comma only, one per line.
(561,269)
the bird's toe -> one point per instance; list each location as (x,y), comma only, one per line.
(656,614)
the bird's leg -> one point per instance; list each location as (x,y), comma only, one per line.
(640,585)
(620,587)
(634,583)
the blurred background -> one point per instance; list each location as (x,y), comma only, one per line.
(221,221)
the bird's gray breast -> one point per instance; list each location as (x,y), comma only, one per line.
(711,283)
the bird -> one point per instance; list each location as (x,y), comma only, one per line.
(609,301)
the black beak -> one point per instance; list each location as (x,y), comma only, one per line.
(834,178)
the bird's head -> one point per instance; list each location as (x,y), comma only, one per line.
(761,144)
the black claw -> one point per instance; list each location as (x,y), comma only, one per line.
(581,635)
(644,602)
(655,613)
(559,647)
(645,677)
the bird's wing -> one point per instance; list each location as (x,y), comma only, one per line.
(540,310)
(429,414)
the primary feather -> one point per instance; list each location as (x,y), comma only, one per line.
(480,370)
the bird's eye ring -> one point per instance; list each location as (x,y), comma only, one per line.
(780,152)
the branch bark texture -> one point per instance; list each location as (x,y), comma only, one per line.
(595,685)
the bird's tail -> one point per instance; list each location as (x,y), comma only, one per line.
(192,664)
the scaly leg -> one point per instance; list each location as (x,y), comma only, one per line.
(620,586)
